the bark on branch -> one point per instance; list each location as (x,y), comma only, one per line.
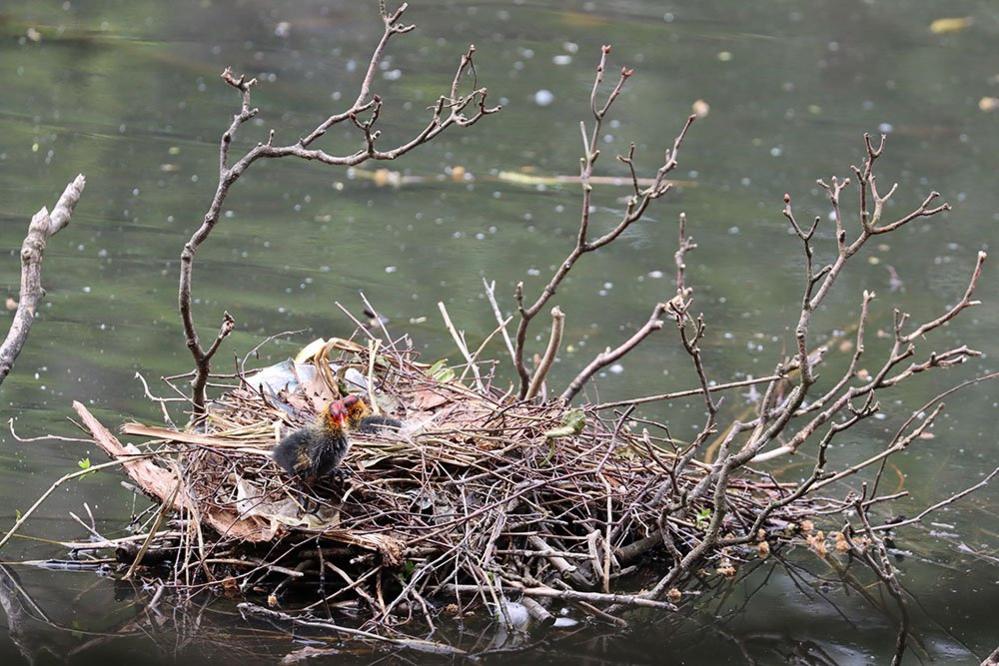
(43,226)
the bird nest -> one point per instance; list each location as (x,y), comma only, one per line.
(477,499)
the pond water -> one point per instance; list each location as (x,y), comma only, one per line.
(128,93)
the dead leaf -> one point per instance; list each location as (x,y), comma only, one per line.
(426,400)
(943,26)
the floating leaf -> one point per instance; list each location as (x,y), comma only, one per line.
(943,26)
(572,424)
(84,463)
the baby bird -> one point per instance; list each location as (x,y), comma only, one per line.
(315,451)
(360,418)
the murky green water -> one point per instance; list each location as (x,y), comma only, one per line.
(128,93)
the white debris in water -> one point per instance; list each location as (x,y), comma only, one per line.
(391,269)
(617,369)
(544,97)
(562,59)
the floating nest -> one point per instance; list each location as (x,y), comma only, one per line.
(478,500)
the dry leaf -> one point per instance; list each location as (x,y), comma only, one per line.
(426,400)
(817,542)
(943,26)
(726,569)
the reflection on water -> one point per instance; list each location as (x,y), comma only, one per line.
(128,94)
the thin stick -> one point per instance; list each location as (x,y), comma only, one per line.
(713,388)
(61,480)
(490,288)
(459,341)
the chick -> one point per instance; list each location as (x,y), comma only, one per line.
(360,418)
(315,451)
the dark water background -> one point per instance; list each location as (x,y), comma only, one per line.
(128,93)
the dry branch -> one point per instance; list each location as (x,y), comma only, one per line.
(43,226)
(449,110)
(635,209)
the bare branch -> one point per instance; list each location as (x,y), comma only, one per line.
(43,226)
(449,110)
(965,302)
(635,209)
(490,288)
(609,355)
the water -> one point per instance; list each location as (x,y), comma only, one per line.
(128,93)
